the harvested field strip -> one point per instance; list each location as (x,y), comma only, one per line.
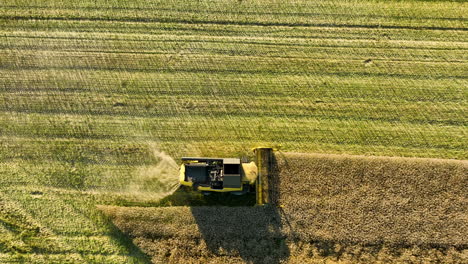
(168,41)
(147,32)
(435,16)
(239,106)
(265,47)
(222,63)
(189,128)
(64,258)
(310,87)
(60,227)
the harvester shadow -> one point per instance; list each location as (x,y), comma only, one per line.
(121,239)
(252,233)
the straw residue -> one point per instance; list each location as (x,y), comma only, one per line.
(249,172)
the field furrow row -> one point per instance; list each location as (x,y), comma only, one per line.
(332,16)
(132,31)
(220,63)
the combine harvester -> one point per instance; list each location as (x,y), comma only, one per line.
(229,174)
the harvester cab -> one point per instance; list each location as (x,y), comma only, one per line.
(228,174)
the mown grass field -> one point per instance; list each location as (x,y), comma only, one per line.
(89,90)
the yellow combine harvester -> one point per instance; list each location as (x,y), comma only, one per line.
(228,174)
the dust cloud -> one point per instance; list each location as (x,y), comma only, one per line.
(155,181)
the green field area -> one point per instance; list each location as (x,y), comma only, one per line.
(92,92)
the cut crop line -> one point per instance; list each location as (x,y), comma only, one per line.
(306,41)
(247,141)
(116,90)
(251,114)
(227,11)
(60,191)
(106,119)
(78,253)
(235,72)
(227,22)
(222,54)
(238,32)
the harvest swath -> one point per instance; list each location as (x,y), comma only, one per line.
(89,89)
